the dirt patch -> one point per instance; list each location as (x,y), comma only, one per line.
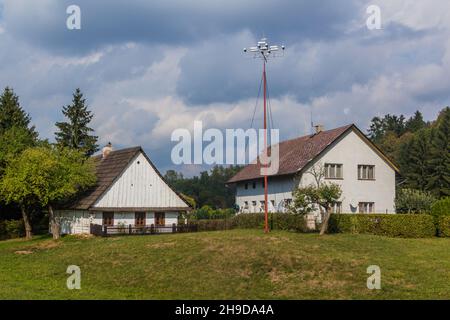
(161,245)
(23,252)
(47,245)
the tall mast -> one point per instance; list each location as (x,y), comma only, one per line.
(264,52)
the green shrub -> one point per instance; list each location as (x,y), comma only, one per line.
(392,225)
(444,226)
(13,229)
(277,221)
(290,222)
(441,208)
(414,201)
(441,213)
(248,220)
(213,225)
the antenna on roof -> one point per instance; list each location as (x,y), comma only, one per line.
(264,51)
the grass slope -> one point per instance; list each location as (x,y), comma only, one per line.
(237,264)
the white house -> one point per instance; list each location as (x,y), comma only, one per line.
(366,176)
(129,190)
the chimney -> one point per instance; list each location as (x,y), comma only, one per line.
(106,150)
(319,128)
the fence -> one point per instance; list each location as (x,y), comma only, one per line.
(105,231)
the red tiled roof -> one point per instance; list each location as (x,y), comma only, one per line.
(294,154)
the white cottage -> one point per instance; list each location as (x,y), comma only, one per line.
(129,191)
(366,176)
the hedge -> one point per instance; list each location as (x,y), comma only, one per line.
(444,226)
(392,225)
(277,221)
(441,215)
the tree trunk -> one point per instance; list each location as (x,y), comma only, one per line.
(54,224)
(26,223)
(324,228)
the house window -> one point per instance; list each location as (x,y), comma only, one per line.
(366,207)
(246,186)
(336,207)
(254,185)
(160,219)
(366,172)
(263,205)
(287,202)
(139,219)
(108,218)
(333,171)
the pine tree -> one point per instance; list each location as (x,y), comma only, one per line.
(76,133)
(415,123)
(414,160)
(439,164)
(12,115)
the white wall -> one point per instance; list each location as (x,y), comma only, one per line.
(78,221)
(279,189)
(350,151)
(139,186)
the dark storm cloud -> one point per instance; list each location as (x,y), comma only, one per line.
(172,22)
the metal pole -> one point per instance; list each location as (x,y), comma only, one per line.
(266,205)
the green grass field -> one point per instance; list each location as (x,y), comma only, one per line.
(237,264)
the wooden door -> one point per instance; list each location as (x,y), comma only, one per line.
(108,218)
(139,219)
(160,219)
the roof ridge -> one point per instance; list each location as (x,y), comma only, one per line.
(315,134)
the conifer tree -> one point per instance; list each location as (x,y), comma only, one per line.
(439,164)
(12,115)
(76,133)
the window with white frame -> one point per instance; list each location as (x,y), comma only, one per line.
(336,207)
(366,207)
(333,171)
(366,172)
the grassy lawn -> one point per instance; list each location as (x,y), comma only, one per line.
(237,264)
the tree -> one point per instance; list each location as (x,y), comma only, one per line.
(414,201)
(46,176)
(415,123)
(12,115)
(12,142)
(75,133)
(321,194)
(439,180)
(414,157)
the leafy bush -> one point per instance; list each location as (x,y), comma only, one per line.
(392,225)
(206,212)
(248,220)
(284,221)
(414,201)
(441,215)
(213,225)
(278,221)
(10,229)
(444,226)
(441,207)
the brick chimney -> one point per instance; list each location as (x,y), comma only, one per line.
(106,150)
(319,128)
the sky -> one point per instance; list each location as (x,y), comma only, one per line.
(148,67)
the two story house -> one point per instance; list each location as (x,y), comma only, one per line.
(344,155)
